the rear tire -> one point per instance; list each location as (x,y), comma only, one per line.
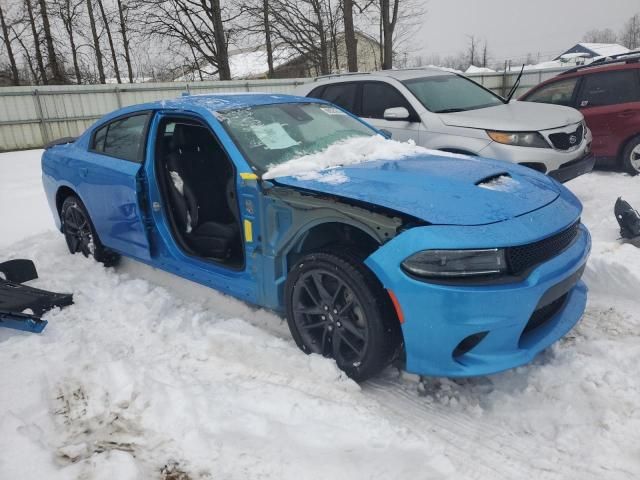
(337,308)
(80,234)
(631,156)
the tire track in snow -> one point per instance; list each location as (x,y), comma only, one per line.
(487,450)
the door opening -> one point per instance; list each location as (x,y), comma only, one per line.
(198,188)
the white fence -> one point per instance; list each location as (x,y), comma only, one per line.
(32,116)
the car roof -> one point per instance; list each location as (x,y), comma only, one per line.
(224,101)
(620,63)
(211,103)
(403,74)
(624,60)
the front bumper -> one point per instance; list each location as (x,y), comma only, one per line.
(574,169)
(439,318)
(546,160)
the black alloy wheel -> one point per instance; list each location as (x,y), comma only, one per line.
(337,308)
(80,234)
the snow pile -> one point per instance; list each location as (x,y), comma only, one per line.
(151,376)
(348,152)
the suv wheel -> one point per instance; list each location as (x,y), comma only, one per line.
(631,156)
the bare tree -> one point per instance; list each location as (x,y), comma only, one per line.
(595,35)
(57,75)
(96,42)
(267,36)
(123,10)
(485,55)
(69,12)
(396,22)
(388,20)
(36,42)
(350,40)
(630,35)
(15,77)
(307,28)
(472,49)
(257,22)
(197,25)
(105,23)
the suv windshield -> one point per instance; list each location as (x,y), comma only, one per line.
(269,135)
(451,93)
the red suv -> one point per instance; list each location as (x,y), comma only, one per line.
(607,92)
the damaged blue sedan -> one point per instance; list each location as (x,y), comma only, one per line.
(374,250)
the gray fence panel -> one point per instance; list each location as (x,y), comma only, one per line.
(33,116)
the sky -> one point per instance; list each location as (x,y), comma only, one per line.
(514,28)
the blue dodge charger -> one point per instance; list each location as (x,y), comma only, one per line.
(457,266)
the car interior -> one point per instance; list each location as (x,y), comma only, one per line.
(197,182)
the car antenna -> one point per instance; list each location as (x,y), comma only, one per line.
(515,85)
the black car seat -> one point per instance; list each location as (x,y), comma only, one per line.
(207,238)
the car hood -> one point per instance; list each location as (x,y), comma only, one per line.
(453,190)
(515,117)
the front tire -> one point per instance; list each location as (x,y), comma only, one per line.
(80,234)
(337,308)
(631,156)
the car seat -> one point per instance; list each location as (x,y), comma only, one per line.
(208,238)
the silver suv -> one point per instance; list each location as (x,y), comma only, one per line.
(445,111)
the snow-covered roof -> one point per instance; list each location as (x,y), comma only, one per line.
(253,63)
(605,49)
(245,63)
(474,69)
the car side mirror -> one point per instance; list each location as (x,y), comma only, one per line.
(396,113)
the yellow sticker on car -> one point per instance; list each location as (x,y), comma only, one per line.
(248,231)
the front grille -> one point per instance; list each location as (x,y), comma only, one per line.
(543,314)
(524,257)
(566,141)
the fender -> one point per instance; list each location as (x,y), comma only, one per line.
(290,215)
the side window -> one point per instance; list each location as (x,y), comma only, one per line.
(316,92)
(558,93)
(98,139)
(342,94)
(122,138)
(609,88)
(378,96)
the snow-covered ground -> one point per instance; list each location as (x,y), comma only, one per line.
(149,376)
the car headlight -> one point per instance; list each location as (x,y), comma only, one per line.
(520,139)
(456,263)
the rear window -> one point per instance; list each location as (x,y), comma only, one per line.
(609,88)
(342,94)
(558,93)
(122,138)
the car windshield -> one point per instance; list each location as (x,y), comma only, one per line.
(451,93)
(269,135)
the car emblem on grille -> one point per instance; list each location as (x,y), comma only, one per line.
(573,139)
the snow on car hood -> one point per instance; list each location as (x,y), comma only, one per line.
(440,189)
(514,117)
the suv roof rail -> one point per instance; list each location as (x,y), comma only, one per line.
(344,74)
(629,57)
(426,67)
